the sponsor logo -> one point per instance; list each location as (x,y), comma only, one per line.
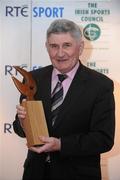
(10,70)
(17,11)
(91,32)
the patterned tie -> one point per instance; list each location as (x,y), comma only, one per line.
(57,97)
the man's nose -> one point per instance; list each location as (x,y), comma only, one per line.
(60,52)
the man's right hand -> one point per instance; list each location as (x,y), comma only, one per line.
(21,112)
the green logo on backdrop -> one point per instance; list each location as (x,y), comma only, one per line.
(92,32)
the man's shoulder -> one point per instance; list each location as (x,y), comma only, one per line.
(97,77)
(42,70)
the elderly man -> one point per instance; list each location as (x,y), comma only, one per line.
(79,109)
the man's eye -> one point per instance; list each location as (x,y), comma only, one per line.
(53,45)
(67,45)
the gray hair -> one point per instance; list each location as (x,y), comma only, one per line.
(64,26)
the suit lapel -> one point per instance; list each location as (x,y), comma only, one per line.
(76,88)
(45,92)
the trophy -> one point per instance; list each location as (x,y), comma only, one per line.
(35,122)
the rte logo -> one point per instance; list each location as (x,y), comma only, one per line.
(17,11)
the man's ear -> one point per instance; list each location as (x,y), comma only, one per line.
(81,47)
(46,45)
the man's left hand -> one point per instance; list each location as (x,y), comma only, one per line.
(50,144)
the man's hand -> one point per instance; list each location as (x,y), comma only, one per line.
(50,144)
(21,112)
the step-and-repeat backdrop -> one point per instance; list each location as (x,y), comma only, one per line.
(23,27)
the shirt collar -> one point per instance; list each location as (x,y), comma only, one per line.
(69,74)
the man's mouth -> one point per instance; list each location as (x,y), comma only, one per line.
(62,60)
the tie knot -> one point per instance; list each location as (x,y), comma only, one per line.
(62,77)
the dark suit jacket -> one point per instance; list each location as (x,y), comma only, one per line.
(85,125)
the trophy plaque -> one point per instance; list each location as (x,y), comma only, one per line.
(35,123)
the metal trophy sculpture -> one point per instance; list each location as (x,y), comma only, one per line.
(35,122)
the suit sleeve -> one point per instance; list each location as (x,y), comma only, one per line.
(17,127)
(100,137)
(16,124)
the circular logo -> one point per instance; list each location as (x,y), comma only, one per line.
(91,32)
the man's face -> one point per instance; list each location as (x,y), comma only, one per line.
(64,51)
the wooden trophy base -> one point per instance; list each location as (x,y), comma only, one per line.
(35,122)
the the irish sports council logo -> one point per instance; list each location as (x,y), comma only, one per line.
(92,32)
